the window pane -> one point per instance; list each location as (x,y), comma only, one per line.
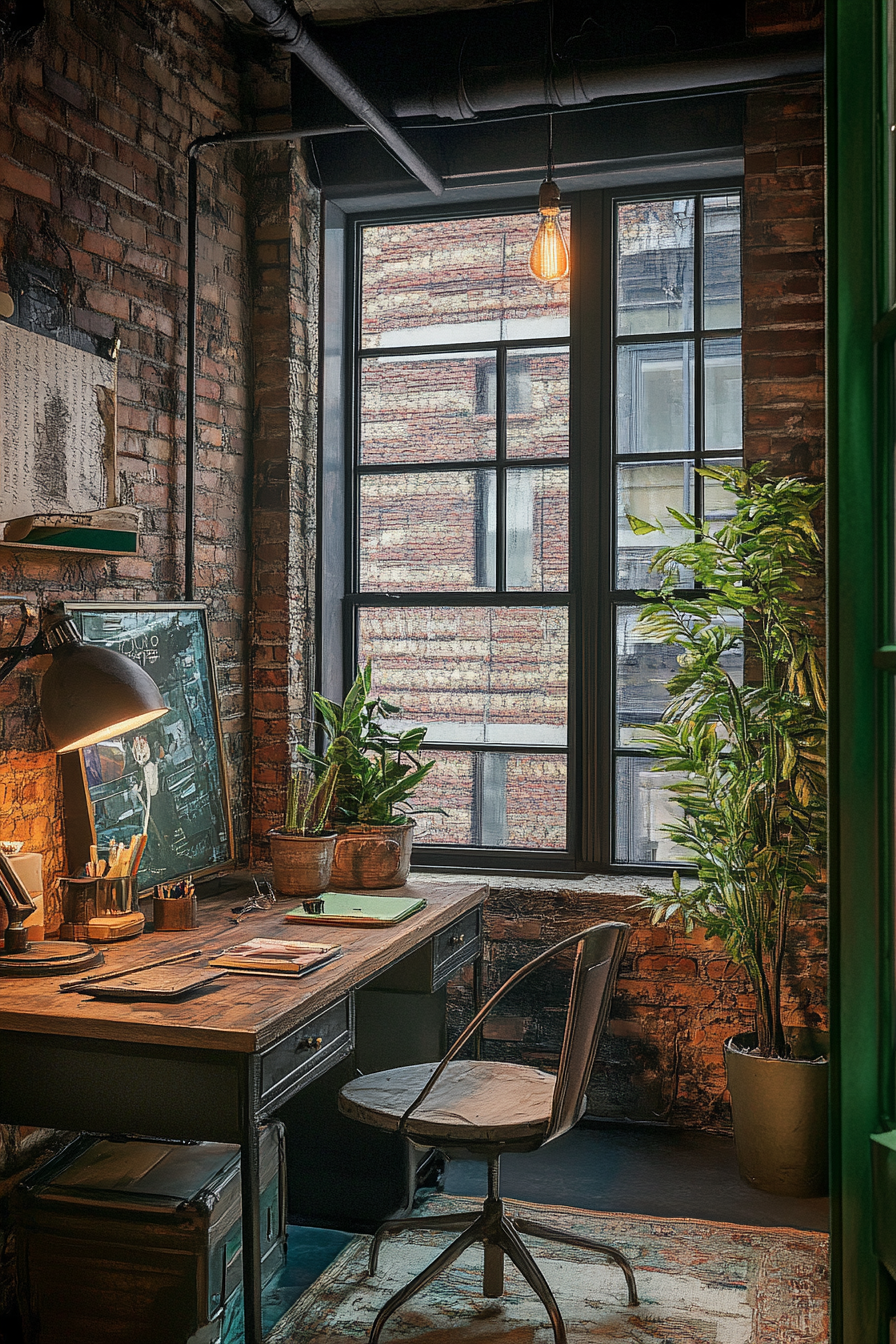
(428,530)
(427,409)
(655,266)
(655,398)
(457,280)
(494,798)
(723,428)
(647,490)
(537,516)
(642,670)
(644,808)
(472,674)
(538,403)
(718,503)
(721,262)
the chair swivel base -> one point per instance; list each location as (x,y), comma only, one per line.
(499,1234)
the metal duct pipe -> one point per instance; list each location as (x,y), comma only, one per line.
(498,88)
(280,21)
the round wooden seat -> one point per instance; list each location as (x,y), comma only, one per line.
(474,1102)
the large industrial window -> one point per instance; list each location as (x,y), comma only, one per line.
(467,485)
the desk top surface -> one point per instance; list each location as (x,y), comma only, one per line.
(242,1013)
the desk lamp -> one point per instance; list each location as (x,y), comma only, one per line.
(88,694)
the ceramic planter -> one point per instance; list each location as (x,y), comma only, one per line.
(780,1112)
(302,863)
(372,858)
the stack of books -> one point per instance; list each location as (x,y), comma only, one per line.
(115,529)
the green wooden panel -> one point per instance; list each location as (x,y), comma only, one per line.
(860,761)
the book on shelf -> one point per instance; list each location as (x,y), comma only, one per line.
(115,529)
(285,956)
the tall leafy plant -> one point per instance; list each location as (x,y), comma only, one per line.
(750,753)
(376,768)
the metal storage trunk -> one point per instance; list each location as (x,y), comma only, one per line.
(138,1242)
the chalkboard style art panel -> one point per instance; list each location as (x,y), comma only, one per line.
(167,777)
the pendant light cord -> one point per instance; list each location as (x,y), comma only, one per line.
(550,146)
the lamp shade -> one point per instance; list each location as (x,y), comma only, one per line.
(90,693)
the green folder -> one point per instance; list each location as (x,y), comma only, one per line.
(341,907)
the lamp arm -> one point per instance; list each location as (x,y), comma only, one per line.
(10,658)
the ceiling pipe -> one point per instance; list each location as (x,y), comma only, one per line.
(485,89)
(280,21)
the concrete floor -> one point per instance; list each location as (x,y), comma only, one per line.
(618,1168)
(672,1173)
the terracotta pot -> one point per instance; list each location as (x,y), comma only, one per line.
(372,858)
(780,1112)
(302,863)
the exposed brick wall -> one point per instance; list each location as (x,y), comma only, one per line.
(784,279)
(678,998)
(98,110)
(285,483)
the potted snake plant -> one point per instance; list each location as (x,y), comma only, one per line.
(302,848)
(377,772)
(749,756)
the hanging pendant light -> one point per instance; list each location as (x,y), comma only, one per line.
(549,258)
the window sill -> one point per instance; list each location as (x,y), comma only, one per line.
(591,884)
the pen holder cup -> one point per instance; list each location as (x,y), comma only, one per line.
(87,898)
(172,913)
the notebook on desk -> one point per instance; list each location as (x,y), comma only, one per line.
(341,907)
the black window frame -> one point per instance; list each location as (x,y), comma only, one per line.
(592,598)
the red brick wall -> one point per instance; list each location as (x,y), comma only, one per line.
(784,279)
(678,999)
(284,488)
(97,111)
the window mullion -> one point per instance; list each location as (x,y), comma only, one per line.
(501,469)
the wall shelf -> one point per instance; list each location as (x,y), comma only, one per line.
(76,550)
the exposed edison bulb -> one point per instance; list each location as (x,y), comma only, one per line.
(549,258)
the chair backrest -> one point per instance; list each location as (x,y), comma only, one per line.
(598,955)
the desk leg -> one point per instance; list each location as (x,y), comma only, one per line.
(478,999)
(250,1188)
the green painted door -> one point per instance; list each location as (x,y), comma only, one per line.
(862,656)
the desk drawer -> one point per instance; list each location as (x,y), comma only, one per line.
(306,1052)
(456,946)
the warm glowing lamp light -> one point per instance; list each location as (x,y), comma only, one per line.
(549,258)
(90,693)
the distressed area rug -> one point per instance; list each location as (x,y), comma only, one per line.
(699,1283)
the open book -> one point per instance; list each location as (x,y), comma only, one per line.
(281,955)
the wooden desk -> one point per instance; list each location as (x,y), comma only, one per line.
(217,1064)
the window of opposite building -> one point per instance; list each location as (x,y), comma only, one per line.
(464,592)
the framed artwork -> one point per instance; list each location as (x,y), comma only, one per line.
(168,777)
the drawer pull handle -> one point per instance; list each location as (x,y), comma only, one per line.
(456,939)
(311,1043)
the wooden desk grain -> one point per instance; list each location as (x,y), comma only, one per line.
(239,1013)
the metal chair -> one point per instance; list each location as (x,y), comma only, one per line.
(489,1108)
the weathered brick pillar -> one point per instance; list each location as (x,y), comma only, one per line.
(783,257)
(284,513)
